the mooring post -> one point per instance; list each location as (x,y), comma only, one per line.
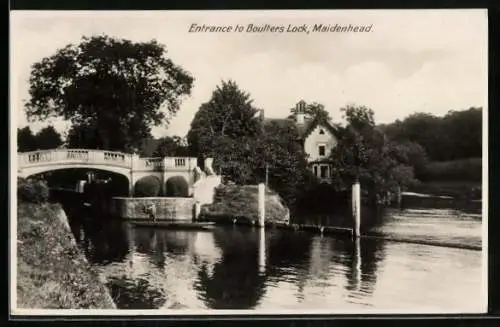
(356,208)
(262,207)
(197,210)
(262,250)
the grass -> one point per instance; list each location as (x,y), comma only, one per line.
(233,201)
(465,190)
(52,272)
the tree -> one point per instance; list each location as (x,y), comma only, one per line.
(457,135)
(312,111)
(171,147)
(228,114)
(364,153)
(26,141)
(48,138)
(81,136)
(280,150)
(114,87)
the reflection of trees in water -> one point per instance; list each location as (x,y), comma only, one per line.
(235,282)
(362,257)
(102,238)
(135,293)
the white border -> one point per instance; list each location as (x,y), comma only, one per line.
(236,313)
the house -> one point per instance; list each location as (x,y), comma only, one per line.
(318,137)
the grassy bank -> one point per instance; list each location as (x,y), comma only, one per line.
(463,190)
(233,201)
(52,272)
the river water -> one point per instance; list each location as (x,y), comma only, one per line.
(248,268)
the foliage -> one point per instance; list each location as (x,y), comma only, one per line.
(227,129)
(52,272)
(457,135)
(177,186)
(149,186)
(470,169)
(240,202)
(228,115)
(313,110)
(114,87)
(173,146)
(48,138)
(81,136)
(364,153)
(32,190)
(26,140)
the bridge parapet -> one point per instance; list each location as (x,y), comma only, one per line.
(44,157)
(67,157)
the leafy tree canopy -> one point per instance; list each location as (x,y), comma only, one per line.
(46,138)
(364,153)
(117,88)
(26,140)
(228,115)
(312,111)
(171,146)
(457,135)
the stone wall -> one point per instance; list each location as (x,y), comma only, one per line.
(166,208)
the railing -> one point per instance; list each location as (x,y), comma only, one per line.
(149,164)
(75,156)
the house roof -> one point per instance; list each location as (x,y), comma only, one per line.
(303,129)
(310,125)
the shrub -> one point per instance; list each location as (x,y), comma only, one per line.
(148,186)
(33,191)
(456,170)
(177,187)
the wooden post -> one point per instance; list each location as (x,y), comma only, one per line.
(262,207)
(262,251)
(197,210)
(267,175)
(356,208)
(357,263)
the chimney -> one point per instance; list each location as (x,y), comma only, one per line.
(300,111)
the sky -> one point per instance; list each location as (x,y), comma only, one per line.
(411,61)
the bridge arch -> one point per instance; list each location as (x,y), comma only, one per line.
(27,172)
(177,186)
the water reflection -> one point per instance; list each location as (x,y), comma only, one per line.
(235,282)
(245,268)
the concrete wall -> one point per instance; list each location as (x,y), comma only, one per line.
(166,208)
(204,189)
(315,139)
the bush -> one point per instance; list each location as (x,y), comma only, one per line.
(148,186)
(177,187)
(33,191)
(455,170)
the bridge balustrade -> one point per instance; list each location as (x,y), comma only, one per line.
(56,156)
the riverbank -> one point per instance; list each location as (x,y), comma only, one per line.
(241,203)
(460,190)
(52,272)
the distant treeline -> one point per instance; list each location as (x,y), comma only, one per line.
(457,135)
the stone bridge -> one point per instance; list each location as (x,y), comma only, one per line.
(131,166)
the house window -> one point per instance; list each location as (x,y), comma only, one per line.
(321,150)
(324,171)
(321,132)
(315,169)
